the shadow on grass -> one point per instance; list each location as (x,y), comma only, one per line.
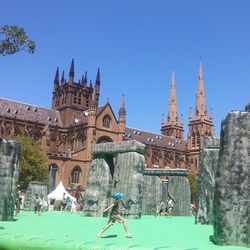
(109,236)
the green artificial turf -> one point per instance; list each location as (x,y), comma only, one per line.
(55,230)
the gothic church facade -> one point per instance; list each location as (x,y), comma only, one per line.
(76,122)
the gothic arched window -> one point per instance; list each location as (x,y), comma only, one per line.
(75,174)
(106,121)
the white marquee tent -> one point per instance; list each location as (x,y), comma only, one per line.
(57,194)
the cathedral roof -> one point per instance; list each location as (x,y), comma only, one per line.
(158,140)
(29,112)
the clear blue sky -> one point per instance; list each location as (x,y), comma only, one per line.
(135,43)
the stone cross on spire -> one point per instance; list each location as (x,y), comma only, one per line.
(172,118)
(201,107)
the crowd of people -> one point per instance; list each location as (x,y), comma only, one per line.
(73,205)
(41,203)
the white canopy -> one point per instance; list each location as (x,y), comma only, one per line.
(58,193)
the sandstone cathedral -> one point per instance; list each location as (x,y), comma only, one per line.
(77,121)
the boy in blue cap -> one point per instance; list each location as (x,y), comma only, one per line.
(114,216)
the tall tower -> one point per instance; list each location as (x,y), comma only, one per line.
(200,125)
(172,127)
(72,98)
(91,130)
(122,120)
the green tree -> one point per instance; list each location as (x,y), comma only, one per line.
(14,39)
(193,185)
(34,163)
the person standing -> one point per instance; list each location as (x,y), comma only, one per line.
(18,205)
(68,204)
(161,208)
(40,205)
(35,201)
(115,216)
(44,204)
(170,207)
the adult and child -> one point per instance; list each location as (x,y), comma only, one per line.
(40,204)
(165,209)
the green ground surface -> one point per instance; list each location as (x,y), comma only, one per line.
(55,230)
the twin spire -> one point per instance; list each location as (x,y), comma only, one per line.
(201,107)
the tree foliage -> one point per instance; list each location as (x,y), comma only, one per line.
(34,163)
(193,186)
(14,39)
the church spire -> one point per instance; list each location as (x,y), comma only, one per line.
(172,127)
(122,120)
(201,107)
(172,118)
(72,71)
(200,71)
(122,110)
(199,125)
(56,80)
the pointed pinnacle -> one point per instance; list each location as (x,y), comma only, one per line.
(122,110)
(201,70)
(72,69)
(98,78)
(123,102)
(173,79)
(86,77)
(62,78)
(56,80)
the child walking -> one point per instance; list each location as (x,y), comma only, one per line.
(114,216)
